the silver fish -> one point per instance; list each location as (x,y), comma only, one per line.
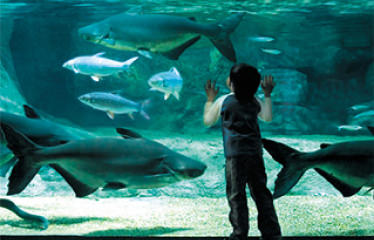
(261,39)
(97,66)
(168,83)
(271,51)
(113,104)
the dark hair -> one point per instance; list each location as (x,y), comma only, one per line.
(245,80)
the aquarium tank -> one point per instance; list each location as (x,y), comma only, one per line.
(102,115)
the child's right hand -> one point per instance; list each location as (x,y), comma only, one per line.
(267,85)
(211,90)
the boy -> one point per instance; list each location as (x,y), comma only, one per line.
(243,147)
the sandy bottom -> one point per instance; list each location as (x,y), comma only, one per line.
(168,216)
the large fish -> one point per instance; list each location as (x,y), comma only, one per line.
(113,104)
(131,162)
(41,131)
(97,66)
(164,34)
(168,83)
(348,166)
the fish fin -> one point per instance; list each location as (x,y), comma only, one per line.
(145,53)
(279,151)
(109,41)
(137,10)
(126,64)
(95,78)
(110,114)
(176,52)
(4,169)
(222,40)
(75,70)
(371,129)
(30,112)
(26,168)
(288,177)
(176,95)
(143,105)
(131,116)
(126,133)
(345,189)
(153,89)
(324,145)
(166,96)
(145,115)
(11,206)
(80,189)
(114,186)
(99,54)
(174,70)
(293,168)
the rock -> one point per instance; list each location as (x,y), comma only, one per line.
(291,85)
(10,98)
(290,119)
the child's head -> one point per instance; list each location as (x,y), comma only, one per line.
(244,80)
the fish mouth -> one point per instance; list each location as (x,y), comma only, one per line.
(186,174)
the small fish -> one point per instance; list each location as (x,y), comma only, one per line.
(97,66)
(271,51)
(351,128)
(113,104)
(261,39)
(360,107)
(168,83)
(365,114)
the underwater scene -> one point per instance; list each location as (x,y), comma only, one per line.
(103,115)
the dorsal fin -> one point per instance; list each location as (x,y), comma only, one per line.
(176,52)
(126,133)
(99,54)
(29,112)
(324,145)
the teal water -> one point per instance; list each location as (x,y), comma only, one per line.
(321,54)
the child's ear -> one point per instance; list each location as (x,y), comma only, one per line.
(228,82)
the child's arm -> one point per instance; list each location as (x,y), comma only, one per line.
(212,109)
(266,113)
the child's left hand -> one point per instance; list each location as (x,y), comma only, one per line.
(267,85)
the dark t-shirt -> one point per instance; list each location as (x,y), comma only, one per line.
(240,130)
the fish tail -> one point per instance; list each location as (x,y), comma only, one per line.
(144,105)
(4,168)
(25,169)
(293,166)
(126,64)
(222,39)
